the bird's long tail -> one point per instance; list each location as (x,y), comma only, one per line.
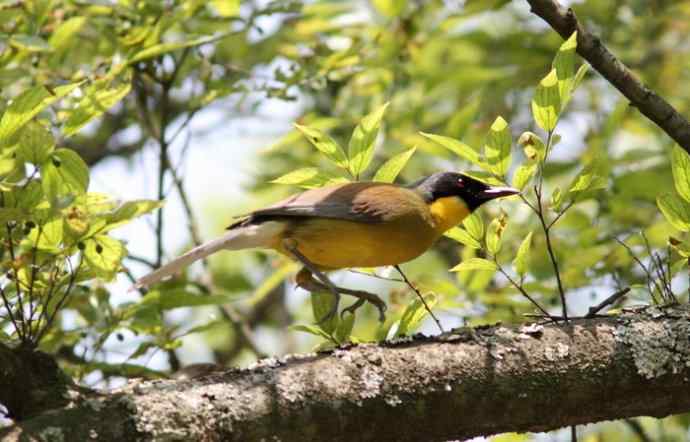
(246,237)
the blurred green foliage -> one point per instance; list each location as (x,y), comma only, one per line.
(390,90)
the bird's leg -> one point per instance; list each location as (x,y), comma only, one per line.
(305,279)
(419,295)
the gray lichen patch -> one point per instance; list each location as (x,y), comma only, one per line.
(658,347)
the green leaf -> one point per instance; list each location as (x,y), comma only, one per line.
(35,143)
(27,105)
(546,104)
(51,234)
(523,174)
(497,148)
(321,305)
(556,198)
(680,165)
(325,144)
(521,261)
(459,148)
(64,173)
(564,64)
(344,330)
(177,298)
(96,101)
(29,43)
(533,146)
(390,8)
(65,34)
(676,211)
(587,179)
(309,178)
(494,234)
(391,168)
(414,314)
(580,75)
(104,255)
(474,225)
(463,237)
(130,210)
(163,48)
(362,142)
(227,8)
(312,330)
(474,264)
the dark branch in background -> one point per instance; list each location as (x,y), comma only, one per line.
(591,49)
(431,389)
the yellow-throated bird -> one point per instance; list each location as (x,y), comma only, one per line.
(363,224)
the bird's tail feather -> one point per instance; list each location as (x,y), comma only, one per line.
(259,235)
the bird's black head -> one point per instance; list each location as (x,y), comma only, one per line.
(473,192)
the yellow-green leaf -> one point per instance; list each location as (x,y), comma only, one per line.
(497,148)
(474,264)
(546,104)
(564,64)
(391,168)
(523,174)
(474,225)
(309,178)
(680,165)
(64,173)
(494,233)
(459,148)
(521,261)
(414,314)
(227,8)
(27,105)
(163,48)
(676,211)
(362,142)
(322,305)
(390,8)
(130,210)
(463,237)
(325,144)
(35,143)
(97,100)
(104,254)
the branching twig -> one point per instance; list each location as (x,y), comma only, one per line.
(419,295)
(591,49)
(523,291)
(592,312)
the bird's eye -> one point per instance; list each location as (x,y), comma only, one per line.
(460,183)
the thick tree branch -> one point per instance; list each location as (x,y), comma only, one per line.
(471,382)
(591,49)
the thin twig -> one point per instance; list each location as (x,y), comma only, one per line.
(591,49)
(421,298)
(522,291)
(592,312)
(17,284)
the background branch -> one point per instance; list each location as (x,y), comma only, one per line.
(589,46)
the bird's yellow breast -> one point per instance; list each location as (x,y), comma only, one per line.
(337,244)
(448,212)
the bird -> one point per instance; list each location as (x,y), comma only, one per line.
(349,225)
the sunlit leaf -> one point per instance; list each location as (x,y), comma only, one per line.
(308,178)
(27,105)
(163,48)
(391,168)
(459,148)
(311,329)
(131,210)
(362,142)
(564,64)
(494,233)
(327,145)
(676,210)
(546,104)
(64,173)
(523,174)
(414,313)
(474,264)
(680,165)
(64,35)
(227,8)
(463,237)
(104,255)
(390,8)
(344,329)
(474,225)
(35,143)
(533,146)
(521,261)
(97,100)
(322,305)
(497,148)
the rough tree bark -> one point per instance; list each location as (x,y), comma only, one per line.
(469,382)
(590,47)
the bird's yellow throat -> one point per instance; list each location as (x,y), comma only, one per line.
(448,212)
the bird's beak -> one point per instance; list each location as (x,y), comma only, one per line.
(499,192)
